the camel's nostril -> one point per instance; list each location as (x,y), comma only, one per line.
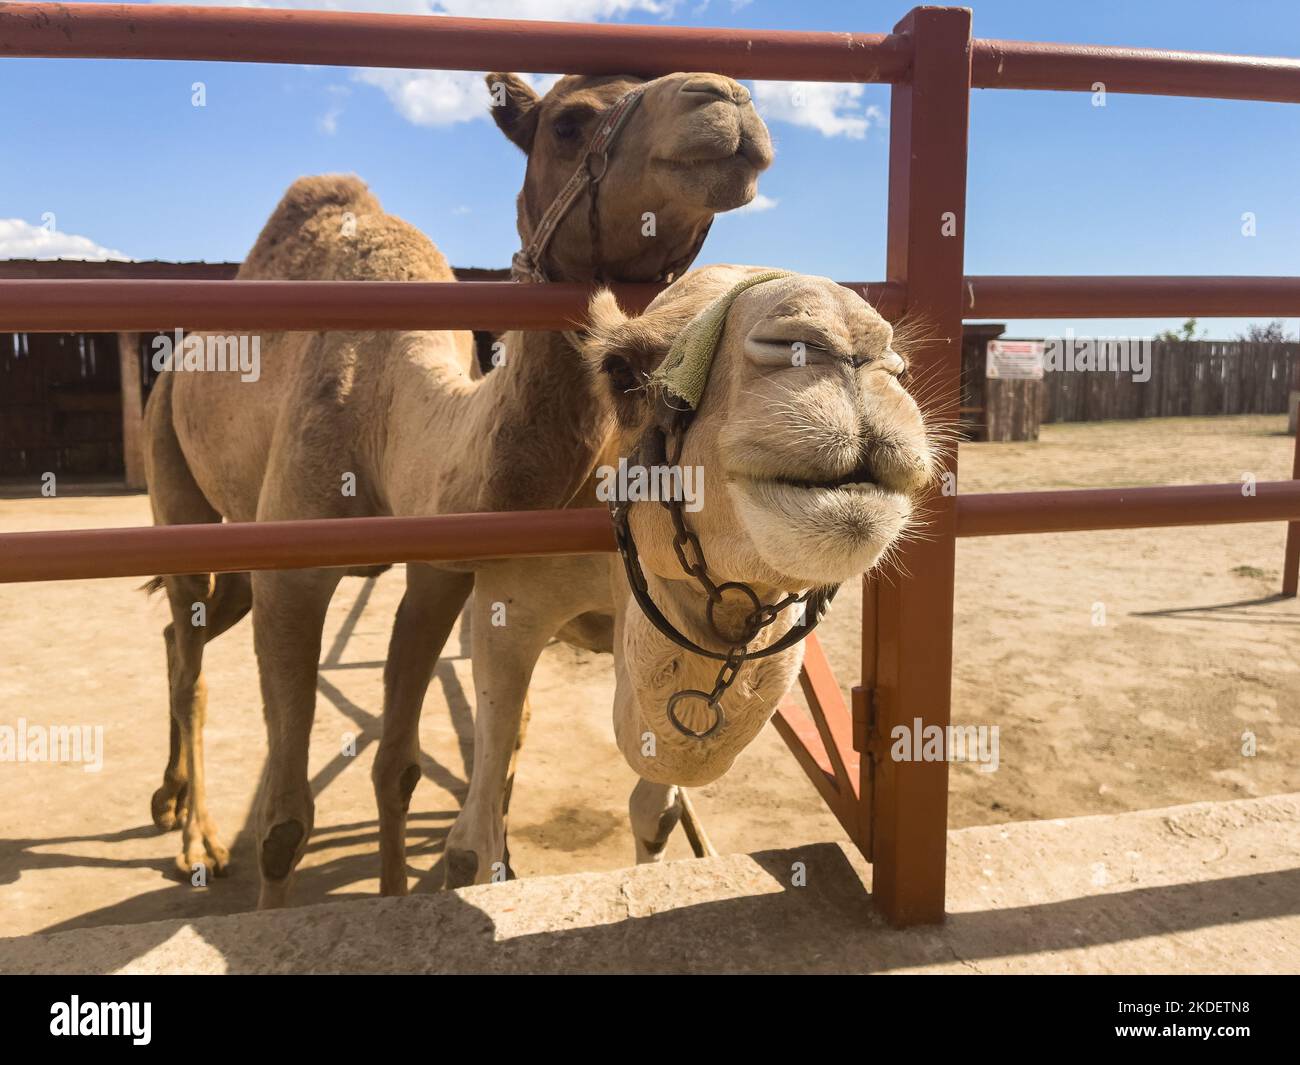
(718,88)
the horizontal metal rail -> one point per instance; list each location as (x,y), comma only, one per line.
(1150,71)
(77,305)
(82,305)
(337,38)
(1095,296)
(1094,509)
(340,38)
(127,269)
(82,554)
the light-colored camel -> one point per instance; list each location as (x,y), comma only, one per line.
(814,454)
(354,424)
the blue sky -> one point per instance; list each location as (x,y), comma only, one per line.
(116,151)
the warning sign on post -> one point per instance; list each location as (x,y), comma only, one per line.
(1015,360)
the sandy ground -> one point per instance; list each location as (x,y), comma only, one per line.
(1146,710)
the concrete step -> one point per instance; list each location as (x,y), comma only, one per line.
(1209,887)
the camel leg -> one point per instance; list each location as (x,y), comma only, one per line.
(466,635)
(176,499)
(655,810)
(288,616)
(230,600)
(502,668)
(182,798)
(428,610)
(170,802)
(533,601)
(524,717)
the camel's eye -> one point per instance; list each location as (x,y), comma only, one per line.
(778,352)
(568,124)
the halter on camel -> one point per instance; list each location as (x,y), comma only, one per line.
(526,265)
(683,375)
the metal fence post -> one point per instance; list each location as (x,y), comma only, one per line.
(907,668)
(1291,557)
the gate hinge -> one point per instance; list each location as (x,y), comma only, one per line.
(863,709)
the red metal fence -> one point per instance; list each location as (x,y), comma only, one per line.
(896,812)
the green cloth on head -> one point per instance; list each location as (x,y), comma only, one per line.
(685,369)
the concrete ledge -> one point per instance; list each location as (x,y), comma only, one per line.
(1210,887)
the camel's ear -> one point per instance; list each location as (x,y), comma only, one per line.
(514,108)
(622,352)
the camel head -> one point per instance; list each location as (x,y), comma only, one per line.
(692,147)
(808,453)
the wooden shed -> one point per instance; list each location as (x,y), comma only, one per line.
(993,409)
(72,404)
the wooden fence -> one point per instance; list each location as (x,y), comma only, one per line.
(62,401)
(1202,377)
(1194,378)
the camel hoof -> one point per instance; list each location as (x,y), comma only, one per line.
(219,858)
(211,855)
(280,848)
(462,868)
(649,851)
(168,807)
(274,894)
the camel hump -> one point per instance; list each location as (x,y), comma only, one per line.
(331,226)
(322,192)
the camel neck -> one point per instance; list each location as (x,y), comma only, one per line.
(525,437)
(548,423)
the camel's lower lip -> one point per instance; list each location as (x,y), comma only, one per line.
(787,488)
(816,501)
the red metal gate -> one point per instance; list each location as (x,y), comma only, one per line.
(895,812)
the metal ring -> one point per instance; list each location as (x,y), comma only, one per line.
(676,722)
(722,590)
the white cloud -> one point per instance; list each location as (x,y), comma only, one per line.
(328,123)
(549,10)
(831,109)
(445,97)
(440,97)
(22,240)
(759,203)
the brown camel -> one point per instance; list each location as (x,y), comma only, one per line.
(354,424)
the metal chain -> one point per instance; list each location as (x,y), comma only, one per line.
(690,556)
